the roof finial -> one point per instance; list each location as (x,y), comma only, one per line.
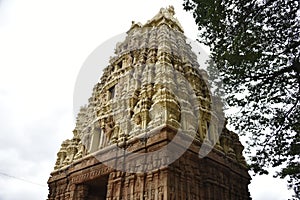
(171,10)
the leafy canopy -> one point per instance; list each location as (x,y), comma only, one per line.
(255,47)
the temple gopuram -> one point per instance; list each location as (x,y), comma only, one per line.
(151,129)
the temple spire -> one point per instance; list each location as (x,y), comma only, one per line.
(164,16)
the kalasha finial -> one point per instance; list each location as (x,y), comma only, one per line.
(171,10)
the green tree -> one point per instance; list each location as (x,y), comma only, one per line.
(255,47)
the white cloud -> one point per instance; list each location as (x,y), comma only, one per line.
(269,188)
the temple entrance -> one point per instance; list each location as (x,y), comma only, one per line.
(97,188)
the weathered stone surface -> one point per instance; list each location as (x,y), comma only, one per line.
(151,95)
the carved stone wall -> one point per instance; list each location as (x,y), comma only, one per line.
(216,176)
(152,89)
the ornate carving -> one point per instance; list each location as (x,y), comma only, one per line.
(153,81)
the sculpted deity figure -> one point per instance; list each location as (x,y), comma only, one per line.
(128,60)
(138,120)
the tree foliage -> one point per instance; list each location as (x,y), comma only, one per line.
(255,47)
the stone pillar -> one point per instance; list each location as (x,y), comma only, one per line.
(81,192)
(52,191)
(95,138)
(72,191)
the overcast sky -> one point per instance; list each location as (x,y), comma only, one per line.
(43,45)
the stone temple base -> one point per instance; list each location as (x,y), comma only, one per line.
(216,176)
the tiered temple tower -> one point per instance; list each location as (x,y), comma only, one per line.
(152,129)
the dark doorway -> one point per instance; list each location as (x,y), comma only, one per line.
(97,188)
